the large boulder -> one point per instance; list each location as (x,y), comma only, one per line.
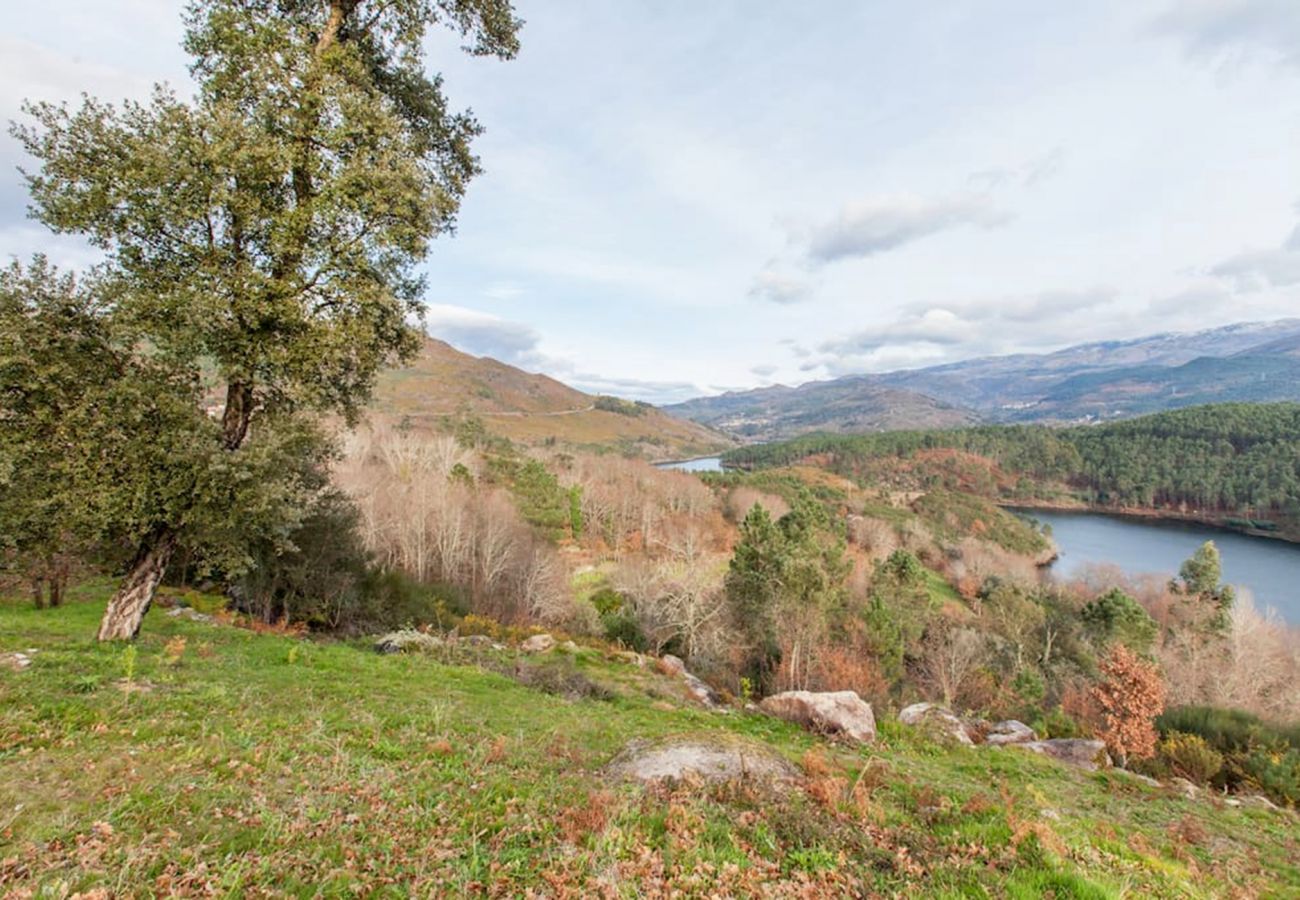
(1009,732)
(938,721)
(1080,752)
(703,758)
(671,666)
(538,643)
(832,712)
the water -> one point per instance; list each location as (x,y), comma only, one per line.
(1268,568)
(704,464)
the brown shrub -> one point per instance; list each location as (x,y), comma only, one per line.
(1130,696)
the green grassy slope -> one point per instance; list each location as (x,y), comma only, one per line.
(262,764)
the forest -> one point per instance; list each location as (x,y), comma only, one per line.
(1238,460)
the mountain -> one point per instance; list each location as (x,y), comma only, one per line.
(443,383)
(1252,361)
(844,405)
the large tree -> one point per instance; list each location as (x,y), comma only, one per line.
(264,234)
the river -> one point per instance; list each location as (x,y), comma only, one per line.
(1268,568)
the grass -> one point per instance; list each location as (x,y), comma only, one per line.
(243,764)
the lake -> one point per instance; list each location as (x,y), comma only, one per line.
(1269,569)
(703,464)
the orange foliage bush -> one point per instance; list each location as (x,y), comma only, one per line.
(1130,697)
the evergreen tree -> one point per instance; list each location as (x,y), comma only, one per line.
(266,231)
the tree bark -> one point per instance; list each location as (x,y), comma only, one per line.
(238,412)
(126,610)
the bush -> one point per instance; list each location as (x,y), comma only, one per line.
(1227,730)
(1189,756)
(1275,772)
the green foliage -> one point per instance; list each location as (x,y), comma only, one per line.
(541,500)
(793,565)
(1115,616)
(619,406)
(1228,458)
(265,234)
(1189,756)
(1276,772)
(1200,576)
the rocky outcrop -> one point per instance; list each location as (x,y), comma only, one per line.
(538,643)
(834,712)
(1079,752)
(938,721)
(706,759)
(1000,734)
(671,666)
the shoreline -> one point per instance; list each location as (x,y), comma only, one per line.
(1148,514)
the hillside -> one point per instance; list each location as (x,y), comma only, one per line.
(1254,362)
(207,759)
(845,405)
(445,385)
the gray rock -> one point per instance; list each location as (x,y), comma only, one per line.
(538,643)
(937,720)
(701,692)
(1259,802)
(478,640)
(1085,754)
(832,712)
(1009,732)
(708,759)
(408,640)
(671,665)
(1185,787)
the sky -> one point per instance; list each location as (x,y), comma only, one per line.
(684,197)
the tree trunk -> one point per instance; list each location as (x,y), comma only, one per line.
(127,608)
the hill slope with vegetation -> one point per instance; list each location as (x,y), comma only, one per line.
(208,759)
(1229,464)
(443,386)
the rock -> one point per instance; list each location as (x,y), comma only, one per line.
(1232,801)
(1185,787)
(538,643)
(1138,776)
(670,665)
(1258,801)
(16,661)
(701,692)
(936,720)
(188,613)
(408,640)
(1079,752)
(631,657)
(477,640)
(1009,732)
(569,647)
(833,712)
(709,759)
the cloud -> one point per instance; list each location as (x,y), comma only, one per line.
(1234,29)
(765,370)
(1258,269)
(875,226)
(659,392)
(924,335)
(483,334)
(1029,174)
(775,287)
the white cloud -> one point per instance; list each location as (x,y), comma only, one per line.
(775,287)
(483,334)
(876,225)
(1259,269)
(1235,30)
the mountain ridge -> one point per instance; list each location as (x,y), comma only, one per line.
(1098,380)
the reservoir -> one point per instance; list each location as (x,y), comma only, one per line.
(1268,568)
(703,464)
